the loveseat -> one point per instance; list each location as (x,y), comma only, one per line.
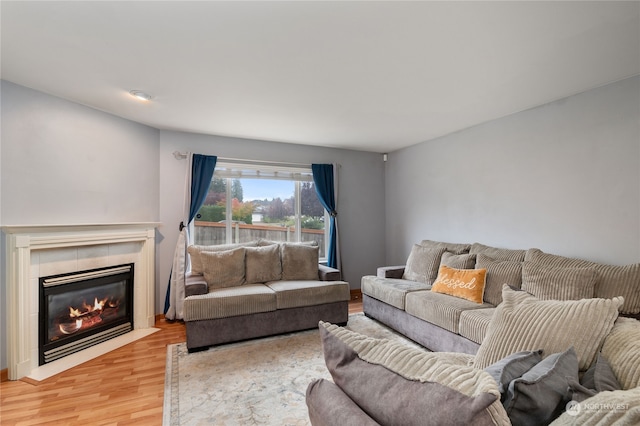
(260,288)
(542,340)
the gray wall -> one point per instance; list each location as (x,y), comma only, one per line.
(564,177)
(63,163)
(360,196)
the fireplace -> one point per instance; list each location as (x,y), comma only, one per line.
(36,251)
(82,309)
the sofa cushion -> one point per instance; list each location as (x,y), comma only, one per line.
(612,281)
(557,282)
(262,264)
(498,253)
(604,409)
(499,272)
(458,261)
(299,261)
(466,284)
(195,250)
(455,248)
(474,323)
(439,309)
(223,268)
(230,302)
(293,294)
(524,322)
(512,367)
(391,291)
(398,384)
(622,349)
(540,395)
(422,264)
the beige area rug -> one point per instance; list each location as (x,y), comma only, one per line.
(257,382)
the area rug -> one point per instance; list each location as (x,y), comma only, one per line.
(256,382)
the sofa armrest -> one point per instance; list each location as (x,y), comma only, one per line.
(391,271)
(195,284)
(328,405)
(327,273)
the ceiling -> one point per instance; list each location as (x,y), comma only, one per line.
(372,76)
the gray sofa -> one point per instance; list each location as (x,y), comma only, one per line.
(403,300)
(257,289)
(547,343)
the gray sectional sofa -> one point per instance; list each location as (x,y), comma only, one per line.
(546,343)
(400,296)
(260,288)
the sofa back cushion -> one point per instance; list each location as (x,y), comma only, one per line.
(455,248)
(263,264)
(299,261)
(195,250)
(458,261)
(557,282)
(498,253)
(223,268)
(422,264)
(523,322)
(612,280)
(499,272)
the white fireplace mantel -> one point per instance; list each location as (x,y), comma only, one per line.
(99,243)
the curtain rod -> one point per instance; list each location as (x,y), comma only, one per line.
(181,156)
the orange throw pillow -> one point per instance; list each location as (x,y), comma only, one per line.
(464,283)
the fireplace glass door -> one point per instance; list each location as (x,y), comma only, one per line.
(83,309)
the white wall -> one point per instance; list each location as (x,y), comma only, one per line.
(360,196)
(564,177)
(64,163)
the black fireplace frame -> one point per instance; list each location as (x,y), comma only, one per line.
(51,351)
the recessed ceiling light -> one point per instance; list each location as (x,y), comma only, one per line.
(143,96)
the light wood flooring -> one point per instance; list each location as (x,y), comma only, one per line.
(125,386)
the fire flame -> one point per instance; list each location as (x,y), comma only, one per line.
(98,305)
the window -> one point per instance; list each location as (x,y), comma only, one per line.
(264,200)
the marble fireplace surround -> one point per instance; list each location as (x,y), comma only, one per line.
(37,251)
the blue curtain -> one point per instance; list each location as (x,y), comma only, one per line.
(202,167)
(323,179)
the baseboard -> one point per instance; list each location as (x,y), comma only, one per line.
(356,294)
(4,375)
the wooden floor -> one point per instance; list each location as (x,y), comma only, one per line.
(123,387)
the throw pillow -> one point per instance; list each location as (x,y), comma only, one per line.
(613,280)
(458,261)
(559,283)
(513,366)
(195,250)
(263,264)
(299,261)
(598,378)
(523,322)
(422,264)
(499,272)
(541,394)
(463,283)
(223,268)
(397,384)
(622,349)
